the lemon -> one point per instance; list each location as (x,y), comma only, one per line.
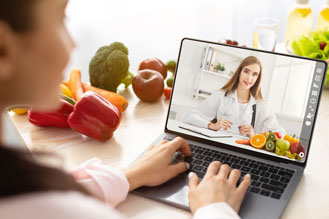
(19,111)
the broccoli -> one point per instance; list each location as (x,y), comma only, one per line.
(109,67)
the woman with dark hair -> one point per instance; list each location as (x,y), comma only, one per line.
(238,105)
(34,50)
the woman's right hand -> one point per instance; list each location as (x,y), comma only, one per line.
(218,185)
(221,123)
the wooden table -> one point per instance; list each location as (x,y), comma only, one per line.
(141,124)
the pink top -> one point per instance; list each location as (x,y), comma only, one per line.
(109,185)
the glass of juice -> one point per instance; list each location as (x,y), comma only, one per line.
(265,33)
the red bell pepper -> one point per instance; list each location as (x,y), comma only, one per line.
(278,135)
(51,119)
(94,116)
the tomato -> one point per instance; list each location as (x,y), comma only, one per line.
(167,92)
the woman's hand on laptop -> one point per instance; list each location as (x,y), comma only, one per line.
(221,123)
(154,167)
(218,185)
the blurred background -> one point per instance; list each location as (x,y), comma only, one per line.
(154,28)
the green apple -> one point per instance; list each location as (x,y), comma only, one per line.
(282,146)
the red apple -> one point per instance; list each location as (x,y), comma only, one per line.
(148,85)
(154,64)
(297,147)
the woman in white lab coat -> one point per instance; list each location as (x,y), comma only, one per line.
(239,104)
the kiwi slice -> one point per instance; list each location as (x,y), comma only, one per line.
(272,136)
(270,146)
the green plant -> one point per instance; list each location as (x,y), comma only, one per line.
(220,67)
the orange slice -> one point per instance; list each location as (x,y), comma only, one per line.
(258,141)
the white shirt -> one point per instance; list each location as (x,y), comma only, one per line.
(108,185)
(218,106)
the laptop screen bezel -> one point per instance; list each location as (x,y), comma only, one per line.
(237,149)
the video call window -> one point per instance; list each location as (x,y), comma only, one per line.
(281,101)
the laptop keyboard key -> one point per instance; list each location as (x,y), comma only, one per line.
(275,177)
(205,164)
(255,171)
(276,195)
(265,192)
(284,180)
(255,183)
(278,184)
(198,162)
(198,168)
(272,188)
(236,166)
(247,169)
(199,156)
(254,190)
(254,177)
(264,180)
(285,174)
(209,159)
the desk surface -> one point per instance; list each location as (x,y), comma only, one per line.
(141,124)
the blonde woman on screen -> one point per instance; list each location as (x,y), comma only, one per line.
(238,105)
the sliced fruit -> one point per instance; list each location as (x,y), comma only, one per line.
(258,141)
(270,146)
(272,136)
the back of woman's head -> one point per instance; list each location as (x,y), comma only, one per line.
(18,14)
(21,174)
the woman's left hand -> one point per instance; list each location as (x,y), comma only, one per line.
(246,130)
(154,167)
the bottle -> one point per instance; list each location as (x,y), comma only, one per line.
(300,20)
(323,18)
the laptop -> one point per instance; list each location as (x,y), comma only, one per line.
(291,88)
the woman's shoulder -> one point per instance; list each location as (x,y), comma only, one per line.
(55,204)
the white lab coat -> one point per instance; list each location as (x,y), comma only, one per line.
(220,106)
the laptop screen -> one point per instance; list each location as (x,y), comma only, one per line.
(245,98)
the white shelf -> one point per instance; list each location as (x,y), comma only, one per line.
(217,74)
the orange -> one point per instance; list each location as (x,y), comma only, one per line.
(258,141)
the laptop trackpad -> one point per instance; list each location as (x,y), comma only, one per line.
(173,192)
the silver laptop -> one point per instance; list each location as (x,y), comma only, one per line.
(291,88)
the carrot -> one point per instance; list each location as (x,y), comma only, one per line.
(74,84)
(116,99)
(243,141)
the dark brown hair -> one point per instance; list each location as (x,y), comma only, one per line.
(232,84)
(19,172)
(18,14)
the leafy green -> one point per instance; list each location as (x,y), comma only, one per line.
(309,46)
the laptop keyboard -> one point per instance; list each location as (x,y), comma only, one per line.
(266,179)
